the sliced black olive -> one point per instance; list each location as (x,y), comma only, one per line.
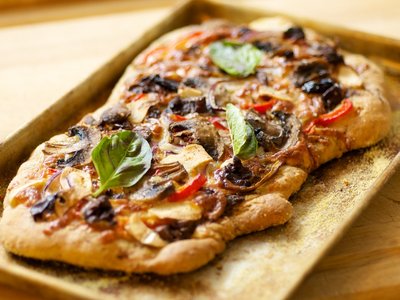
(309,71)
(294,33)
(154,84)
(45,206)
(330,54)
(154,112)
(177,230)
(317,86)
(332,97)
(186,106)
(99,211)
(237,174)
(116,114)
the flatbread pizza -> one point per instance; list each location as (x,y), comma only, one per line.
(205,137)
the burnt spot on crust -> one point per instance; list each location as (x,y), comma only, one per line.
(99,211)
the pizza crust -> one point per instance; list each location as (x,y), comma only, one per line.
(80,245)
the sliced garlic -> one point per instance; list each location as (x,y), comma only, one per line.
(177,210)
(193,158)
(348,77)
(142,233)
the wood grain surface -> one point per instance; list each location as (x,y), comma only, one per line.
(45,51)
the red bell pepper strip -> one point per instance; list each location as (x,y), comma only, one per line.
(134,98)
(216,122)
(333,116)
(153,52)
(263,107)
(177,118)
(188,190)
(182,43)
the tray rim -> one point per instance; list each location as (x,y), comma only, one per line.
(33,277)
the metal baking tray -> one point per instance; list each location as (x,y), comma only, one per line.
(269,264)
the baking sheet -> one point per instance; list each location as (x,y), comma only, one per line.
(265,265)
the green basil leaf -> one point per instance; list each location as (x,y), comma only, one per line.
(242,133)
(234,58)
(121,160)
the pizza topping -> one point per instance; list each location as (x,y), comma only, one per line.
(190,189)
(294,33)
(197,131)
(185,210)
(172,171)
(244,141)
(212,202)
(154,84)
(121,160)
(41,209)
(99,211)
(234,58)
(333,116)
(152,191)
(184,106)
(74,150)
(309,71)
(176,230)
(115,116)
(236,173)
(138,229)
(192,157)
(140,108)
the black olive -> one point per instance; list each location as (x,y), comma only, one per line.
(309,71)
(154,84)
(288,54)
(318,86)
(294,33)
(99,210)
(45,206)
(231,202)
(265,46)
(332,97)
(177,230)
(238,174)
(154,112)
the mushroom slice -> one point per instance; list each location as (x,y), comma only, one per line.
(75,147)
(270,92)
(193,158)
(142,233)
(348,77)
(185,211)
(139,108)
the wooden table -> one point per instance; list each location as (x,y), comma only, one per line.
(47,50)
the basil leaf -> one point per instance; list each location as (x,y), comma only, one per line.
(234,58)
(121,160)
(242,133)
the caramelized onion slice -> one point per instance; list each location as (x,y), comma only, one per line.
(142,233)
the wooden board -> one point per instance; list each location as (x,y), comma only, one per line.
(41,267)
